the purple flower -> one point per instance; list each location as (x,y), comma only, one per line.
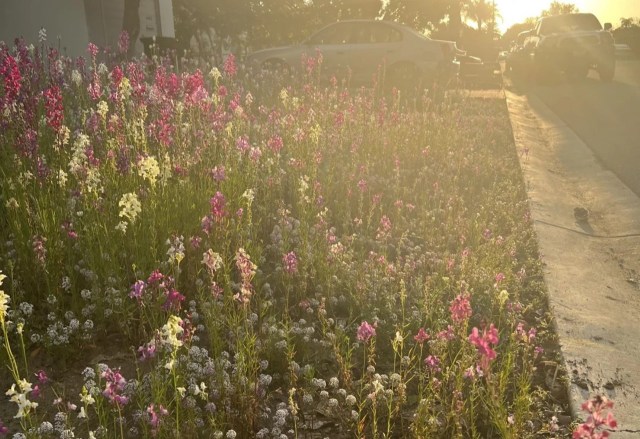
(137,290)
(366,331)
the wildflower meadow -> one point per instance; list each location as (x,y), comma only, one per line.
(206,251)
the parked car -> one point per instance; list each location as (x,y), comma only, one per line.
(515,60)
(359,49)
(573,44)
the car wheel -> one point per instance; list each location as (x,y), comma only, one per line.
(607,71)
(577,71)
(275,66)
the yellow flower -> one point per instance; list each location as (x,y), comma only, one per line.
(130,207)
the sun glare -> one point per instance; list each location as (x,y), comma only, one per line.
(516,11)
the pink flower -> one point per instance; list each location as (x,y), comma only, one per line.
(123,42)
(230,67)
(93,50)
(421,336)
(218,206)
(155,417)
(460,308)
(365,331)
(483,344)
(114,386)
(53,107)
(433,363)
(275,144)
(590,429)
(290,263)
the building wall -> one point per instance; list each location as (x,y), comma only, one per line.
(78,22)
(60,18)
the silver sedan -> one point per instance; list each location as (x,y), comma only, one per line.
(362,51)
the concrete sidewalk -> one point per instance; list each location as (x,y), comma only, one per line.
(592,261)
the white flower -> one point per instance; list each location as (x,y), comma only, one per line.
(212,260)
(4,299)
(76,78)
(249,195)
(86,398)
(82,414)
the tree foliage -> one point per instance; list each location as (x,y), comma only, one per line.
(559,8)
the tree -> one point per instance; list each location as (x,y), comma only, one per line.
(512,33)
(627,22)
(559,8)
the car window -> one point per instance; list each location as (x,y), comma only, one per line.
(336,34)
(381,33)
(570,23)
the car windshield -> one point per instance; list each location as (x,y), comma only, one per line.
(569,23)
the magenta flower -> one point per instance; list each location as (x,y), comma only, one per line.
(484,343)
(290,263)
(596,420)
(460,308)
(173,301)
(365,332)
(421,336)
(42,377)
(3,429)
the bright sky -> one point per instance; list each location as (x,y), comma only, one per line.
(516,11)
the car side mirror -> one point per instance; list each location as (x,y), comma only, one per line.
(608,26)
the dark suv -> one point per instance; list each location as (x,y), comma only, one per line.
(573,44)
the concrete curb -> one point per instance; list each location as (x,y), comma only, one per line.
(588,227)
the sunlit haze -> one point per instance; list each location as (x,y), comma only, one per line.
(516,11)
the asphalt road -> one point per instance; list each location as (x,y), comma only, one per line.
(605,116)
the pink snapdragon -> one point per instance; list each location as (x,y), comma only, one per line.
(155,416)
(460,308)
(421,336)
(218,203)
(484,344)
(230,67)
(591,428)
(290,263)
(114,386)
(365,332)
(53,107)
